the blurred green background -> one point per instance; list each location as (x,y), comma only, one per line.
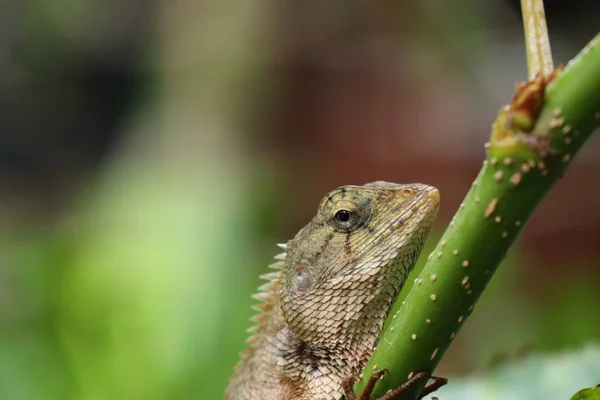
(153,152)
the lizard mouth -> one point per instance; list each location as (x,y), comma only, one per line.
(434,196)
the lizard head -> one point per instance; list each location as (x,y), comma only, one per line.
(344,269)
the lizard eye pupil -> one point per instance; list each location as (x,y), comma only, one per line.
(342,215)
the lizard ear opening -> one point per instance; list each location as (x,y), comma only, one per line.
(301,280)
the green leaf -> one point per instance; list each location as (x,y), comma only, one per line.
(587,394)
(538,376)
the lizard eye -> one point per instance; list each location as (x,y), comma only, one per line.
(346,214)
(345,220)
(343,215)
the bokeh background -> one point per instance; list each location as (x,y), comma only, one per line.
(153,152)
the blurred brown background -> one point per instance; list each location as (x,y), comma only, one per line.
(153,152)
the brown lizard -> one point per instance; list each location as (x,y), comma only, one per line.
(324,307)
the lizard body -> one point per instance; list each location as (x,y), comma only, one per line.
(324,307)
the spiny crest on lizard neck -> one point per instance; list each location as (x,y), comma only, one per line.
(344,269)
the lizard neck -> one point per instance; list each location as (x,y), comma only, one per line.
(307,368)
(281,366)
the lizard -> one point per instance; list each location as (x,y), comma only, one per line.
(324,306)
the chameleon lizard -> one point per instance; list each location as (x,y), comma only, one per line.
(323,308)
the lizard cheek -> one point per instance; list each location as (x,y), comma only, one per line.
(301,280)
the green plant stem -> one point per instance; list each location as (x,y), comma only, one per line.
(537,43)
(520,169)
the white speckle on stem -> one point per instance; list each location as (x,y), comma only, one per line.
(490,208)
